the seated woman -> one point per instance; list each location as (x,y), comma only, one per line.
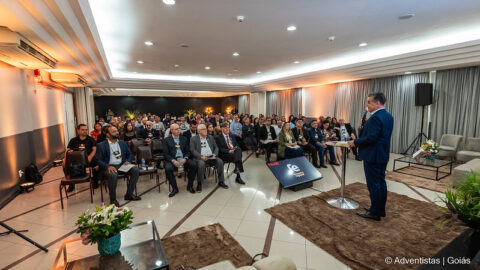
(128,132)
(287,145)
(211,130)
(97,130)
(329,137)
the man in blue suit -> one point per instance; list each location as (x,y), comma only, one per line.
(111,155)
(374,150)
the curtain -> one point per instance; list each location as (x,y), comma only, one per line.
(350,99)
(456,103)
(285,102)
(244,104)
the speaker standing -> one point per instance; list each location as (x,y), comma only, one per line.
(374,150)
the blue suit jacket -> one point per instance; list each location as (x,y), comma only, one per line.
(374,142)
(312,133)
(103,153)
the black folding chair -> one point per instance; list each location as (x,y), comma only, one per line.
(76,159)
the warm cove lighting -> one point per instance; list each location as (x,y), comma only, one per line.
(438,38)
(169,2)
(158,90)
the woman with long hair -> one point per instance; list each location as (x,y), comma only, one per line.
(287,145)
(97,130)
(128,132)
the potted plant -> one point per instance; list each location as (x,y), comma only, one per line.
(430,149)
(103,226)
(463,205)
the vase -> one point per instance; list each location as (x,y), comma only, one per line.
(110,245)
(431,157)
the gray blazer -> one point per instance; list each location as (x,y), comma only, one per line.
(196,147)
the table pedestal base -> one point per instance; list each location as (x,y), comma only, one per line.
(342,203)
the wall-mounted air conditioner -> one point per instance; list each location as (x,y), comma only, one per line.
(18,51)
(68,79)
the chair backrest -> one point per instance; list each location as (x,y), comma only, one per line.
(134,144)
(472,144)
(75,157)
(145,153)
(156,146)
(451,140)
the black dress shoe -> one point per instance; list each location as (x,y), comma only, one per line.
(174,191)
(115,202)
(369,215)
(334,163)
(368,210)
(257,154)
(190,188)
(199,188)
(239,180)
(323,166)
(357,158)
(71,188)
(132,197)
(222,185)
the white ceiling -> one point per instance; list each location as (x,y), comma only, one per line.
(103,39)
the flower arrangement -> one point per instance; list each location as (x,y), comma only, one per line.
(430,148)
(132,113)
(190,112)
(103,223)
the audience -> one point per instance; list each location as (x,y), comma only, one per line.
(327,137)
(148,134)
(300,132)
(249,138)
(97,130)
(128,132)
(112,154)
(191,132)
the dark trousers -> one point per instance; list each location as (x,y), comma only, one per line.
(269,147)
(321,152)
(252,142)
(113,179)
(190,166)
(201,165)
(377,187)
(311,149)
(293,152)
(236,158)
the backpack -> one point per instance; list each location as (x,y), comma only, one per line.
(32,174)
(77,170)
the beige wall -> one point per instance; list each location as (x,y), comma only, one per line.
(319,100)
(23,109)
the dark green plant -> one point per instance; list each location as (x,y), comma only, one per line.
(464,202)
(103,223)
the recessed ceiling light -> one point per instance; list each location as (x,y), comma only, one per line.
(148,43)
(363,44)
(235,54)
(296,62)
(406,16)
(140,61)
(292,28)
(258,72)
(408,72)
(235,70)
(207,67)
(331,38)
(176,65)
(169,2)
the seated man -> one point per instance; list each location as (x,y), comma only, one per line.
(267,138)
(300,132)
(87,143)
(111,155)
(346,133)
(229,151)
(236,130)
(177,155)
(205,151)
(149,133)
(316,140)
(192,132)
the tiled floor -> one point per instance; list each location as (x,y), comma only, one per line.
(239,209)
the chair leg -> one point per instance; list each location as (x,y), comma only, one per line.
(91,192)
(61,197)
(101,190)
(158,183)
(65,189)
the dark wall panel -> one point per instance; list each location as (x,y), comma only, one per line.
(160,105)
(40,146)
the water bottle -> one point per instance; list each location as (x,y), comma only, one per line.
(143,163)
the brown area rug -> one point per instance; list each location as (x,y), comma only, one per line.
(419,177)
(204,246)
(410,229)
